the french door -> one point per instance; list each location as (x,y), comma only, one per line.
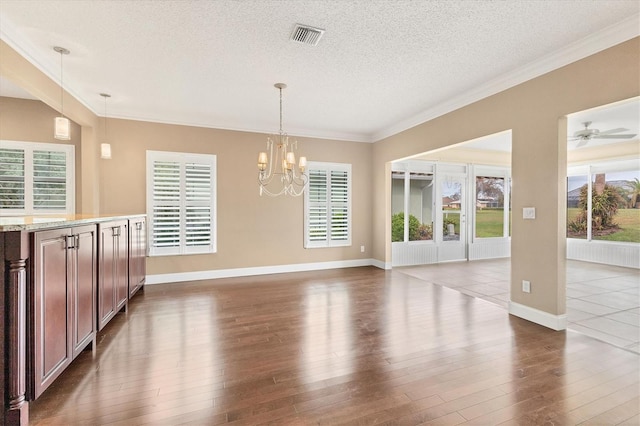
(452,232)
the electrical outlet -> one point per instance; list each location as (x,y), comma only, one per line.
(361,249)
(526,286)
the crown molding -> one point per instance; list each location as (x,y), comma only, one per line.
(604,39)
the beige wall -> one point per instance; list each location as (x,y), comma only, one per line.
(534,111)
(251,230)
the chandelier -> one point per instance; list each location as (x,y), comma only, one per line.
(278,174)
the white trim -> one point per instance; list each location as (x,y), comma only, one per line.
(554,322)
(614,253)
(596,42)
(258,270)
(380,264)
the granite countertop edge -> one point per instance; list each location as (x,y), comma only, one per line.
(35,223)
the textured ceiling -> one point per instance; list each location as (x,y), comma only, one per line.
(381,66)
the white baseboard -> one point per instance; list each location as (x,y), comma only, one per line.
(380,264)
(554,322)
(260,270)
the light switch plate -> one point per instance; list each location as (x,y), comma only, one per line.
(528,212)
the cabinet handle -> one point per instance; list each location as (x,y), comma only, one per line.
(138,226)
(70,242)
(77,241)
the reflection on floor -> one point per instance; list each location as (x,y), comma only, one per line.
(602,301)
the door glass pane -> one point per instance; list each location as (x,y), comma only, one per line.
(451,208)
(420,206)
(489,207)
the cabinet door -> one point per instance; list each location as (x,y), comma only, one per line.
(137,254)
(122,265)
(51,350)
(83,266)
(106,275)
(113,271)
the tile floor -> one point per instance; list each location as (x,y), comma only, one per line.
(602,301)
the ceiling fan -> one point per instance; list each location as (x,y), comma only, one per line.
(586,134)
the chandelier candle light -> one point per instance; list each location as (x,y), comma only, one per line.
(278,174)
(61,125)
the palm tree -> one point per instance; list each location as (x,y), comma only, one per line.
(634,186)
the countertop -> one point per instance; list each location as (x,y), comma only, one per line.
(33,223)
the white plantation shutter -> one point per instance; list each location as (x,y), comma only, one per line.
(317,206)
(181,203)
(36,178)
(339,205)
(198,204)
(328,205)
(165,218)
(12,191)
(49,180)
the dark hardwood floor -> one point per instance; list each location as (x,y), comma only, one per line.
(350,346)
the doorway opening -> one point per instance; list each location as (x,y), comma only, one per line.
(447,206)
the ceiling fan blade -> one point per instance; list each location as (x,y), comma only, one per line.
(582,143)
(625,136)
(609,132)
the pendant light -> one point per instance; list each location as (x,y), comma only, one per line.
(61,125)
(105,147)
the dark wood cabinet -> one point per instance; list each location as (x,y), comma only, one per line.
(137,254)
(62,281)
(62,308)
(113,270)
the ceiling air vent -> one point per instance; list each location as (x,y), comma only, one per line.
(306,34)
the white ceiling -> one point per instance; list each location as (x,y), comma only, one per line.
(382,65)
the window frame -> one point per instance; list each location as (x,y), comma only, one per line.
(70,184)
(407,168)
(328,168)
(182,159)
(590,170)
(496,173)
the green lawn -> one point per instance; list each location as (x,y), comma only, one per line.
(489,223)
(627,219)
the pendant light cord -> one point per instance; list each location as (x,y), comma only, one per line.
(105,118)
(61,88)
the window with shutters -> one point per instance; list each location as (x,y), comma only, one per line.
(36,178)
(327,220)
(181,203)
